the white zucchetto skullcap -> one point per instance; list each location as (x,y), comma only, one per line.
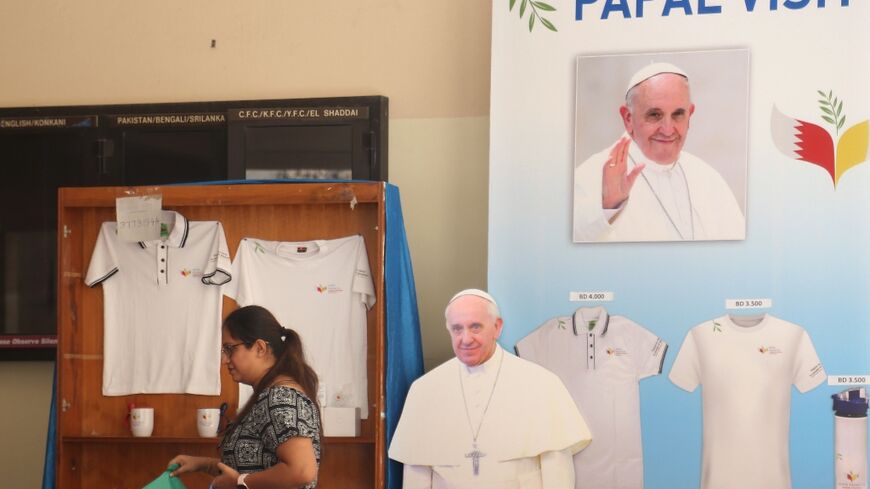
(475,292)
(652,70)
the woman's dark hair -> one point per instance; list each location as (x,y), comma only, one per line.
(251,323)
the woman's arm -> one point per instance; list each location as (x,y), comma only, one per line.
(296,467)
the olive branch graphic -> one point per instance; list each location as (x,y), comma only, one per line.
(832,110)
(535,13)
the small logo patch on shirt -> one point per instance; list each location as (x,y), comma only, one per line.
(616,352)
(329,289)
(769,350)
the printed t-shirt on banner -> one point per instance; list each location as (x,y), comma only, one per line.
(747,366)
(321,289)
(161,308)
(600,358)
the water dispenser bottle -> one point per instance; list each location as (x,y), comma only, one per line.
(850,439)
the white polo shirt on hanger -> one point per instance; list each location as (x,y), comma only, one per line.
(600,359)
(322,290)
(746,366)
(161,308)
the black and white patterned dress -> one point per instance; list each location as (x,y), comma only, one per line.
(279,413)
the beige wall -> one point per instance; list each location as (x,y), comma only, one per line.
(441,170)
(430,58)
(26,394)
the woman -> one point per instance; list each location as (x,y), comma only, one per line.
(276,440)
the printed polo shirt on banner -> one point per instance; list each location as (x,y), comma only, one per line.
(321,289)
(600,359)
(746,366)
(162,308)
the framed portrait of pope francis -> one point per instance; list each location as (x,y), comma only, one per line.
(661,146)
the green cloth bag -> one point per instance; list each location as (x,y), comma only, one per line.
(165,481)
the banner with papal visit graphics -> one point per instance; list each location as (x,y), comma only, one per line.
(679,227)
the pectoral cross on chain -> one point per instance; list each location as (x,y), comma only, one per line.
(475,455)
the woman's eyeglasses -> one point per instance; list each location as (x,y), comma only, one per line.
(229,349)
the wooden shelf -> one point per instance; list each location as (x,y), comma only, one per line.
(347,440)
(139,440)
(330,440)
(278,212)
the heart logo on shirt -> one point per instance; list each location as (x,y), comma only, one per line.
(328,289)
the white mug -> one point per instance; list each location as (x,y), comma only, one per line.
(207,421)
(142,421)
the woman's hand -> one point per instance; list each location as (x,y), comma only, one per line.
(227,478)
(189,463)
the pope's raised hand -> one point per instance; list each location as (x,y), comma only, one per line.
(616,180)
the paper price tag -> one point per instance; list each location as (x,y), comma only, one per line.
(847,379)
(138,218)
(748,303)
(590,296)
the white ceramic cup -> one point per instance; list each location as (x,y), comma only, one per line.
(142,421)
(207,421)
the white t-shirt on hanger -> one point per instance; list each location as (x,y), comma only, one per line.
(322,290)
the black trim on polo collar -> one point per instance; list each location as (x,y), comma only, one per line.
(184,235)
(606,321)
(186,230)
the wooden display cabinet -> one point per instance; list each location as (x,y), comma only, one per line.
(94,444)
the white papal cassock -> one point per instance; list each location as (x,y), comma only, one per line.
(687,200)
(528,434)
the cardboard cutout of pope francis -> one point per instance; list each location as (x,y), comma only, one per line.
(486,418)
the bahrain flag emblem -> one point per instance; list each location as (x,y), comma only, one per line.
(805,141)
